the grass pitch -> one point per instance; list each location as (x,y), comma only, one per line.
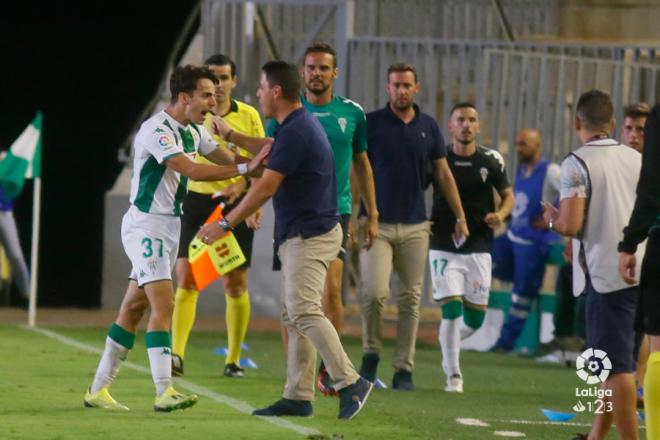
(43,381)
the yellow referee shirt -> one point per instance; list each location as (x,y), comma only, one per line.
(242,118)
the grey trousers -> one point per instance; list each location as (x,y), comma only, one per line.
(9,241)
(304,268)
(404,248)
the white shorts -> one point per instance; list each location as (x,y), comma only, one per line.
(466,275)
(151,242)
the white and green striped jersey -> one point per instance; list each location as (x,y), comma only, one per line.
(156,189)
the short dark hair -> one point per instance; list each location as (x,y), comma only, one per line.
(285,75)
(637,110)
(221,60)
(184,79)
(401,67)
(321,47)
(595,110)
(463,104)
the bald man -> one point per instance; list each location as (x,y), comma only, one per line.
(520,255)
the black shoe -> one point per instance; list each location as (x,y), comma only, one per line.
(579,436)
(177,365)
(353,397)
(233,370)
(286,407)
(499,349)
(369,366)
(324,384)
(402,380)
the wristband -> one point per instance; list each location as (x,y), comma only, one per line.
(242,168)
(228,134)
(224,224)
(550,225)
(460,220)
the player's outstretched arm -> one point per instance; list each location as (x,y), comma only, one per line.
(251,143)
(198,171)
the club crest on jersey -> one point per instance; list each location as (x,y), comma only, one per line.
(342,124)
(484,174)
(164,140)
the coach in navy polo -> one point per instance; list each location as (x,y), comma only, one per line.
(406,149)
(300,176)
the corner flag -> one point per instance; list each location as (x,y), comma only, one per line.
(23,160)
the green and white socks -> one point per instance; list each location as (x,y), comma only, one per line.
(450,345)
(117,345)
(159,349)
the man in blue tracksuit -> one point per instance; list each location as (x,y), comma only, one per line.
(520,255)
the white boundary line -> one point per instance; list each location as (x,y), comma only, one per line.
(486,422)
(238,405)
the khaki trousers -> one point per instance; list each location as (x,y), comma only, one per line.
(405,248)
(304,268)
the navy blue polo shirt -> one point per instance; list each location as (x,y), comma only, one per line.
(401,157)
(305,203)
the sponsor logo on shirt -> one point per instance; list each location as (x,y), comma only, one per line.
(462,164)
(165,140)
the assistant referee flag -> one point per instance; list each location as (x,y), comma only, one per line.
(23,160)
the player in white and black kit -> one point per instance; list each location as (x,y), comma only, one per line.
(461,272)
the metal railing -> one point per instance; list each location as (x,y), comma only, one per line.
(466,19)
(522,89)
(513,84)
(253,32)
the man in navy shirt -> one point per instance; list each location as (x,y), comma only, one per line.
(406,150)
(300,176)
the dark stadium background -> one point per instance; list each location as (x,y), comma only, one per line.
(91,69)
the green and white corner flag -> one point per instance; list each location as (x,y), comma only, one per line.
(23,160)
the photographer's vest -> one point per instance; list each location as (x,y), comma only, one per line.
(612,174)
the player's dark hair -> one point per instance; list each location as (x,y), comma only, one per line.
(595,110)
(221,60)
(184,79)
(286,76)
(321,47)
(463,104)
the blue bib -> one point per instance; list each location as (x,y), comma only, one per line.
(528,191)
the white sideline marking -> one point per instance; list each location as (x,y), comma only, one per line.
(543,422)
(510,434)
(472,422)
(236,404)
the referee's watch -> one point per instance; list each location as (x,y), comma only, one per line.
(225,225)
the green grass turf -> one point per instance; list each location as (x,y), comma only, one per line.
(43,382)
